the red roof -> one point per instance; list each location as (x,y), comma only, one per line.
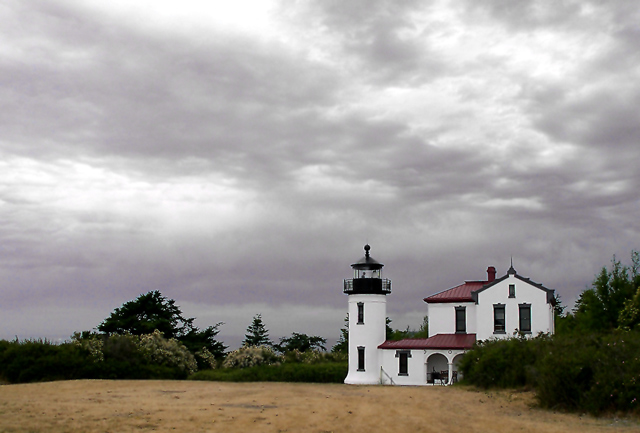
(438,341)
(461,293)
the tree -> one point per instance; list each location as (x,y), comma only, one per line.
(398,334)
(388,330)
(558,308)
(423,331)
(145,314)
(300,342)
(257,334)
(599,307)
(152,311)
(342,345)
(197,340)
(630,315)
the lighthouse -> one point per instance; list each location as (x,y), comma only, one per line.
(367,292)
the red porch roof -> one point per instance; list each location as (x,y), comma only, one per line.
(438,341)
(461,293)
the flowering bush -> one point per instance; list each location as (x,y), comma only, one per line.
(314,356)
(170,353)
(94,344)
(206,358)
(151,349)
(250,356)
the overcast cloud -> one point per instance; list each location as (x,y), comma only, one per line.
(237,157)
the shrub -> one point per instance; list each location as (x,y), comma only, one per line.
(94,356)
(327,372)
(169,353)
(41,360)
(92,343)
(596,373)
(502,363)
(314,356)
(593,373)
(149,356)
(206,359)
(130,356)
(251,356)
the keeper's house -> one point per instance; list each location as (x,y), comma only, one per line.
(475,310)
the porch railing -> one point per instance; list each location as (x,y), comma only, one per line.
(388,377)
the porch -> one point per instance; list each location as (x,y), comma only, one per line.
(427,361)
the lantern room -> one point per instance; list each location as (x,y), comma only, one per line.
(367,277)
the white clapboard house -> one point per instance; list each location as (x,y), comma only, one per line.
(474,310)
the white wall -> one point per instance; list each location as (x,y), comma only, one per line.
(416,368)
(541,311)
(442,318)
(370,335)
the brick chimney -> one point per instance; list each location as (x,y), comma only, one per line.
(491,274)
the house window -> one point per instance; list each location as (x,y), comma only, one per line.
(512,290)
(360,358)
(403,362)
(461,320)
(360,313)
(525,318)
(498,319)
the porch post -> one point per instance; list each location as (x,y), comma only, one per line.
(449,380)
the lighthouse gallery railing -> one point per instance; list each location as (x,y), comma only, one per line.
(367,285)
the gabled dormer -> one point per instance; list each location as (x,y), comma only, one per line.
(512,288)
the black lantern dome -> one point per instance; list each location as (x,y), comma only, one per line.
(367,262)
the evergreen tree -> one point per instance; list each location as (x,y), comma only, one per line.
(257,334)
(152,311)
(145,314)
(301,342)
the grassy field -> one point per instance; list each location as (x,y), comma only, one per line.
(192,406)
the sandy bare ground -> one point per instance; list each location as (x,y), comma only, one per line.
(169,406)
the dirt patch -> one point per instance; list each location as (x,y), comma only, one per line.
(121,406)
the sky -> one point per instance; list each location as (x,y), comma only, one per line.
(237,156)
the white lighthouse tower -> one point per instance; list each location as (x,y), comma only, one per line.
(367,319)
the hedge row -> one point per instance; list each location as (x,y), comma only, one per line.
(121,358)
(39,361)
(329,372)
(588,373)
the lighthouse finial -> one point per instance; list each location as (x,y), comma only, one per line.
(366,250)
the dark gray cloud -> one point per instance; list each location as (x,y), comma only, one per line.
(242,173)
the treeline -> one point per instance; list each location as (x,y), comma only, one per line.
(149,338)
(591,364)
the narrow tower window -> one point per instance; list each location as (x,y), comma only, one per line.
(360,358)
(360,313)
(512,290)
